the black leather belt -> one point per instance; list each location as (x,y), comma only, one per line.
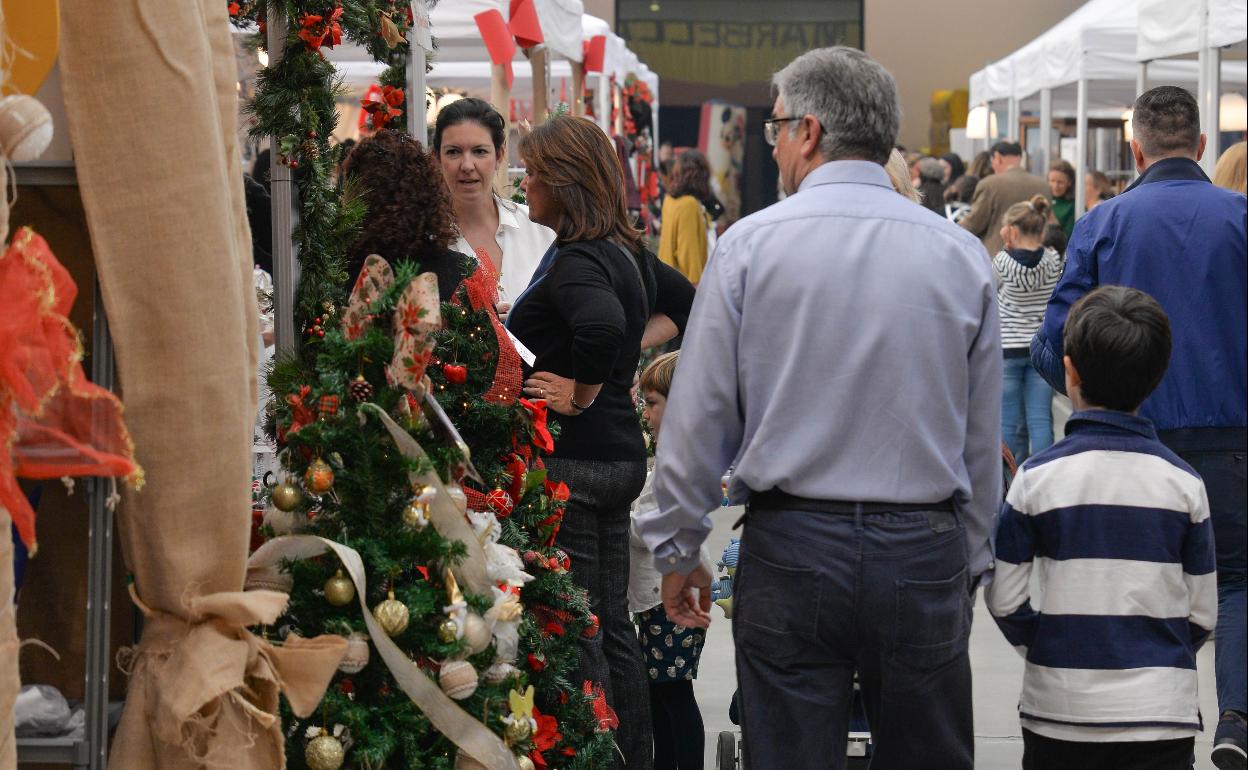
(776,500)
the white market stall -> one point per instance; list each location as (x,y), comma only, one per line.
(1084,66)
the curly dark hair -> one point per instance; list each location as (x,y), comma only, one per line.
(409,207)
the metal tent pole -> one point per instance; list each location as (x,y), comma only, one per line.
(1081,144)
(99,563)
(417,117)
(1046,127)
(285,215)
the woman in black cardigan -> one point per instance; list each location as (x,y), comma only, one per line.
(584,317)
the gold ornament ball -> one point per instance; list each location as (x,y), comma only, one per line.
(458,679)
(325,752)
(287,497)
(525,763)
(517,732)
(448,631)
(339,590)
(416,515)
(392,615)
(319,477)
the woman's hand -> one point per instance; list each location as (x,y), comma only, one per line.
(555,389)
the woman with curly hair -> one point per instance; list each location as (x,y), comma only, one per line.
(684,241)
(409,209)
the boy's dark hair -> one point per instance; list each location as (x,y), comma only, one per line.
(1006,147)
(1166,121)
(1118,339)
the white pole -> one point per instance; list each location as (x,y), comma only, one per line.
(988,137)
(603,95)
(1046,127)
(417,113)
(1012,131)
(1081,144)
(1208,91)
(283,195)
(1141,79)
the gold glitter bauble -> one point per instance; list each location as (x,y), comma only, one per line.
(458,679)
(319,477)
(448,631)
(287,496)
(477,633)
(525,763)
(416,515)
(325,752)
(392,615)
(339,590)
(517,731)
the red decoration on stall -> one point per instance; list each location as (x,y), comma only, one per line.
(595,52)
(53,422)
(606,716)
(541,434)
(317,30)
(383,106)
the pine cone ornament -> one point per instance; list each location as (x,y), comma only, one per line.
(360,389)
(309,150)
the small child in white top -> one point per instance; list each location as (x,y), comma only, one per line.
(671,651)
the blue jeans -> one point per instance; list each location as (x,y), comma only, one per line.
(1027,396)
(1227,487)
(818,595)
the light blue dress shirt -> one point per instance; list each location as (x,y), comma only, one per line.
(844,344)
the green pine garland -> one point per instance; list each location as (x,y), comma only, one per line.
(295,103)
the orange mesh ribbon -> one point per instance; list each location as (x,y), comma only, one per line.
(53,422)
(482,290)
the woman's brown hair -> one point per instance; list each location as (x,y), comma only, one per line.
(693,175)
(574,158)
(409,207)
(1029,217)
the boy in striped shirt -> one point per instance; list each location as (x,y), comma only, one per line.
(1118,529)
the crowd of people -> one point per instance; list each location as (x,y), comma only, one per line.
(867,367)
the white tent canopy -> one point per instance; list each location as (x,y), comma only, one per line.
(1169,28)
(1088,64)
(455,27)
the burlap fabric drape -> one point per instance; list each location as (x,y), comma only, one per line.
(150,94)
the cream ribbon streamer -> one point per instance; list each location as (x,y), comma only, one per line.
(446,516)
(465,731)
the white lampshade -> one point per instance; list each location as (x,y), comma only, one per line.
(1233,112)
(979,119)
(1127,133)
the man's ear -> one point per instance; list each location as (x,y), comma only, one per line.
(1138,155)
(1200,148)
(814,133)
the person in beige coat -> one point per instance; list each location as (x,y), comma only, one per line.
(1009,184)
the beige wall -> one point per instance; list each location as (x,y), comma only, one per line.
(603,9)
(933,45)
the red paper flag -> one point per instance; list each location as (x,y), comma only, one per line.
(595,52)
(498,40)
(524,23)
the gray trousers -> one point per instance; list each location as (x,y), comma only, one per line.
(594,533)
(820,595)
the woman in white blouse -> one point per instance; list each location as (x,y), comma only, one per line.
(469,139)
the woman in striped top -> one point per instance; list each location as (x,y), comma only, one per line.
(1026,275)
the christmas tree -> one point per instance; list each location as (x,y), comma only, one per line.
(487,617)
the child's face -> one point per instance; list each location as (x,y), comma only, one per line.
(653,411)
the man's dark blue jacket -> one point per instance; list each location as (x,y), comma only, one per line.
(1176,236)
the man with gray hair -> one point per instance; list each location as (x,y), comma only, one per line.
(844,354)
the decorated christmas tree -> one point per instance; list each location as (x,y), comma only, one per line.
(412,513)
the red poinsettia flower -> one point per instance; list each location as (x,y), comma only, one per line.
(541,434)
(393,96)
(558,491)
(547,735)
(234,9)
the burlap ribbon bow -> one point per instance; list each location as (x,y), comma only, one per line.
(416,317)
(209,687)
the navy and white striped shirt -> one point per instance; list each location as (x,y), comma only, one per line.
(1118,530)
